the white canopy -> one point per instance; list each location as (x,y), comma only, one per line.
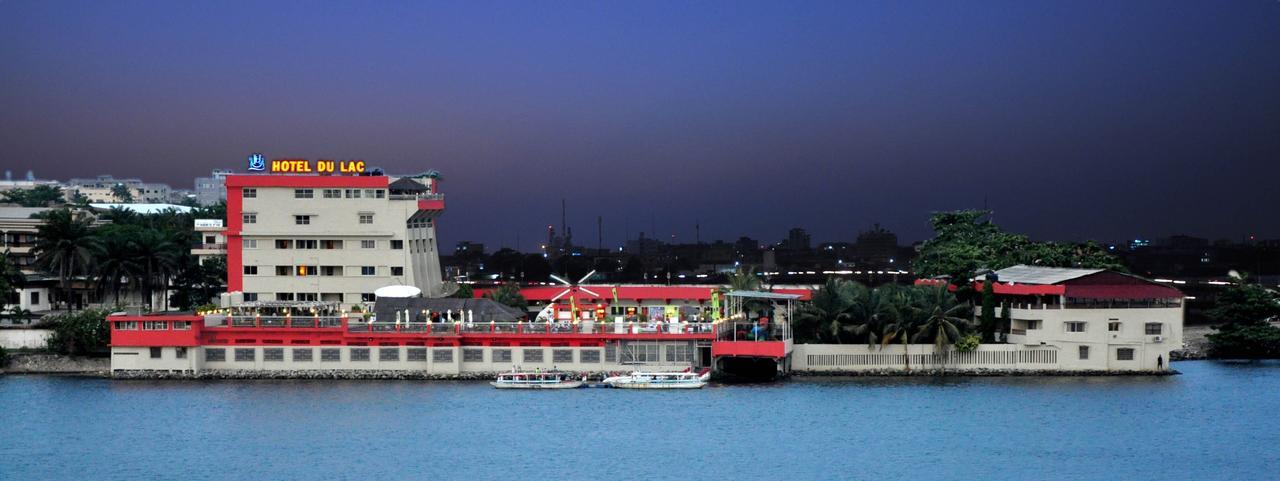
(397,291)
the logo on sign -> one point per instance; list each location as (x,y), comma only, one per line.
(257,162)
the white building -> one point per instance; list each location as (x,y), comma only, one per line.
(212,242)
(99,189)
(1096,319)
(330,238)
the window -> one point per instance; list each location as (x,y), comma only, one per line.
(302,354)
(359,354)
(306,270)
(302,219)
(368,270)
(416,354)
(1155,328)
(180,352)
(250,217)
(284,296)
(368,244)
(397,244)
(273,354)
(157,352)
(333,193)
(366,218)
(127,326)
(330,270)
(389,354)
(330,244)
(330,355)
(442,355)
(307,297)
(589,356)
(303,194)
(250,297)
(247,354)
(640,353)
(379,193)
(215,355)
(501,355)
(35,297)
(1113,326)
(562,355)
(368,297)
(473,355)
(155,326)
(305,244)
(251,243)
(182,325)
(532,355)
(397,271)
(1084,352)
(353,193)
(284,244)
(1124,354)
(679,353)
(250,193)
(1075,326)
(250,270)
(284,271)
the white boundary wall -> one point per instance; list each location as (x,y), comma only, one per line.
(859,358)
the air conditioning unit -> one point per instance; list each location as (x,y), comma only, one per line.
(1157,339)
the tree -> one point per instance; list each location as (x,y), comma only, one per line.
(10,278)
(743,279)
(158,258)
(38,196)
(967,241)
(66,247)
(830,312)
(987,320)
(84,332)
(1244,303)
(1244,310)
(198,284)
(116,263)
(122,193)
(941,321)
(508,294)
(465,291)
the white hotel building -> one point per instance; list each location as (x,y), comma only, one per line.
(330,238)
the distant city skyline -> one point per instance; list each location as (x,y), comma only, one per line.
(1071,121)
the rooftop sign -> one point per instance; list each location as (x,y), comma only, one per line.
(259,163)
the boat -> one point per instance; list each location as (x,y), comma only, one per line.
(536,380)
(658,380)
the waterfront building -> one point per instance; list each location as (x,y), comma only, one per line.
(19,229)
(316,238)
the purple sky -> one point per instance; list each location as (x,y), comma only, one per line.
(1074,120)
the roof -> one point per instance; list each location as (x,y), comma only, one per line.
(408,185)
(483,309)
(762,295)
(699,293)
(1024,274)
(143,208)
(20,212)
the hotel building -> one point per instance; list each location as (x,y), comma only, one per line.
(330,238)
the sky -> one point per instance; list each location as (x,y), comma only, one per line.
(1070,119)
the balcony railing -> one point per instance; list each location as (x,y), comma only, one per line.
(531,328)
(211,247)
(273,321)
(752,331)
(420,196)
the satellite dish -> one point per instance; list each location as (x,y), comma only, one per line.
(397,291)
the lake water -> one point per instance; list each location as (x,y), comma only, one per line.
(1216,421)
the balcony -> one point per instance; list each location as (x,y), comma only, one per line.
(208,247)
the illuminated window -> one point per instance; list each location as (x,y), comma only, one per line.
(302,219)
(306,270)
(250,193)
(303,194)
(366,218)
(250,218)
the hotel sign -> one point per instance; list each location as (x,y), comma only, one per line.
(258,163)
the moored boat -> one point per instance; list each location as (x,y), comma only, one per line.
(657,380)
(536,380)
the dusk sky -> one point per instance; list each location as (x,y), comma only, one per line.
(1074,120)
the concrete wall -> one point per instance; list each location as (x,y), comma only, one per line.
(836,358)
(437,360)
(24,338)
(1150,350)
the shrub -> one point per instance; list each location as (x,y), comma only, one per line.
(968,343)
(4,357)
(1248,341)
(82,332)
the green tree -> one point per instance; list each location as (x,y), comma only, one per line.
(1244,311)
(197,284)
(65,247)
(83,332)
(941,317)
(987,320)
(122,193)
(10,278)
(508,294)
(158,258)
(743,279)
(38,196)
(1244,303)
(465,291)
(967,241)
(831,311)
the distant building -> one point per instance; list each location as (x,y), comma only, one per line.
(797,240)
(468,248)
(212,189)
(100,189)
(876,247)
(18,233)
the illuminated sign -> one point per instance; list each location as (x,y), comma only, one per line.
(257,162)
(322,166)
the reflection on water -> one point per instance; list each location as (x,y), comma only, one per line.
(1216,421)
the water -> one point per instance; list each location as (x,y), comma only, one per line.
(1217,421)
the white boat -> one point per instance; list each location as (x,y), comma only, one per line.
(536,380)
(658,380)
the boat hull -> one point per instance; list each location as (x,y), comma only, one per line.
(558,385)
(646,385)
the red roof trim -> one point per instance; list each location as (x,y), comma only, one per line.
(307,181)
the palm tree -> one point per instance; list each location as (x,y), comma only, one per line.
(65,247)
(829,312)
(122,193)
(743,279)
(941,319)
(899,318)
(157,258)
(117,262)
